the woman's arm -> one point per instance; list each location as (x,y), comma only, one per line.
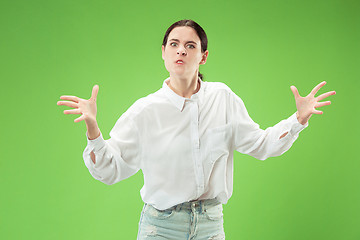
(116,158)
(112,160)
(273,141)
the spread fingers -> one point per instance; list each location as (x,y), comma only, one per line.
(72,111)
(69,104)
(70,98)
(325,95)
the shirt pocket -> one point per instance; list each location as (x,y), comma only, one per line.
(220,142)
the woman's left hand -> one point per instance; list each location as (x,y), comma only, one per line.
(306,105)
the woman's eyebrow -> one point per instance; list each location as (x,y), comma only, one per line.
(177,40)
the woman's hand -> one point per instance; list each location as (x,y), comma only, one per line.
(87,109)
(306,105)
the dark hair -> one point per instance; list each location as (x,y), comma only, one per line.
(199,30)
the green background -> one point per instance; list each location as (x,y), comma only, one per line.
(258,48)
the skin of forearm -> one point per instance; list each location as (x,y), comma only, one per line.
(93,132)
(92,155)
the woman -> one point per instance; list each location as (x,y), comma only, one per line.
(183,137)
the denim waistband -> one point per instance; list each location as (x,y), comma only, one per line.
(196,204)
(200,205)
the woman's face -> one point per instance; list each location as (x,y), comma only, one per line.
(183,44)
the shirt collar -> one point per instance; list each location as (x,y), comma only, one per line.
(179,101)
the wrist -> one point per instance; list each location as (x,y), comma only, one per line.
(90,122)
(93,130)
(301,119)
(93,134)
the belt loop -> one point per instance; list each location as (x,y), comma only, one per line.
(202,206)
(178,207)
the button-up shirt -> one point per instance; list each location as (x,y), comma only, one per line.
(185,146)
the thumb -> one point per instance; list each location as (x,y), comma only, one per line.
(295,91)
(94,93)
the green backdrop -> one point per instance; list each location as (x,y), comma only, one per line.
(258,48)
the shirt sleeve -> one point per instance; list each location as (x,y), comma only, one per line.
(116,158)
(261,144)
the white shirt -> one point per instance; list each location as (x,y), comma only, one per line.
(185,147)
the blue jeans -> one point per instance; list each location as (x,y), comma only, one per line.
(193,220)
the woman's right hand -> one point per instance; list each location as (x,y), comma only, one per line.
(87,109)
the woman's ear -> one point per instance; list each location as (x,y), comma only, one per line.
(204,57)
(163,52)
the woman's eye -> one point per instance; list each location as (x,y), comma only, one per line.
(173,44)
(191,46)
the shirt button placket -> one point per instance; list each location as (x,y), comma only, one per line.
(196,149)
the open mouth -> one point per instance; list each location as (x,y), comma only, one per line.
(179,62)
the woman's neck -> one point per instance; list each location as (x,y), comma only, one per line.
(184,87)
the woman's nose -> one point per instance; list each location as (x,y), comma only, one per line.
(182,52)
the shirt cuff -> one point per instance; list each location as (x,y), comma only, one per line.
(296,127)
(97,143)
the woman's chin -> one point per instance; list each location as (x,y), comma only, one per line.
(179,73)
